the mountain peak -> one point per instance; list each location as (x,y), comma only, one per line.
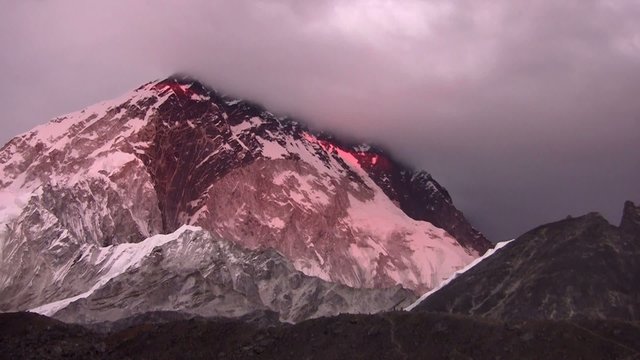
(182,78)
(631,218)
(174,152)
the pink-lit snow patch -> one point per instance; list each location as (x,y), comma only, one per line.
(432,255)
(361,157)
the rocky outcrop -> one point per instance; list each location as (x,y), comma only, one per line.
(576,268)
(630,222)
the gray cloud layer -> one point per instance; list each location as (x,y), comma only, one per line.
(525,110)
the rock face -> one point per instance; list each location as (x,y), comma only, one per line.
(174,152)
(576,268)
(630,222)
(192,272)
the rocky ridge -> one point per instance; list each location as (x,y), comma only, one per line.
(576,268)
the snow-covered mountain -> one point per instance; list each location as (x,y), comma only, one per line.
(174,153)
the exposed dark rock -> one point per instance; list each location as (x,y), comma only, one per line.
(383,336)
(631,219)
(260,318)
(576,268)
(32,336)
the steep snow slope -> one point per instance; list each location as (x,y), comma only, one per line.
(475,262)
(317,206)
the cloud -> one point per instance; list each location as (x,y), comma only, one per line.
(526,111)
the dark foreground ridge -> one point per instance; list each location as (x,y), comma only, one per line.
(397,335)
(580,267)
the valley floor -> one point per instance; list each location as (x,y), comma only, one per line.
(394,335)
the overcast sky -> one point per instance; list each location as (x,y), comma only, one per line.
(527,111)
